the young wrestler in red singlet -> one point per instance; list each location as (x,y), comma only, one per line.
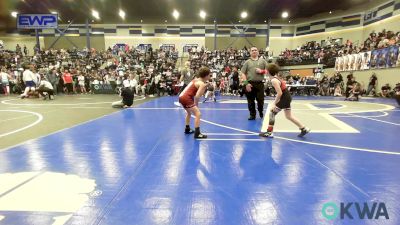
(189,98)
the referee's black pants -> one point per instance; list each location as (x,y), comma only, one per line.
(257,92)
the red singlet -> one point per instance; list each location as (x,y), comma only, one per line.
(186,98)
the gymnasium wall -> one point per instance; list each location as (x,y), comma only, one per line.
(12,40)
(78,42)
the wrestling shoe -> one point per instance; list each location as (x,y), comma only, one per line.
(304,131)
(200,136)
(266,134)
(189,131)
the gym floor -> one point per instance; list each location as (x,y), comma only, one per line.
(76,160)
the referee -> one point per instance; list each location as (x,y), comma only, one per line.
(252,79)
(187,76)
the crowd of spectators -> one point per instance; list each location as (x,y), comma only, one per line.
(326,52)
(151,72)
(336,85)
(77,71)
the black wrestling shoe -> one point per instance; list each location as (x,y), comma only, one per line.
(251,118)
(261,115)
(189,131)
(304,131)
(266,134)
(200,136)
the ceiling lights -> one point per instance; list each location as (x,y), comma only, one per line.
(95,14)
(175,14)
(203,14)
(243,15)
(122,14)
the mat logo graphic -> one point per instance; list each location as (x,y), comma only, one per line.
(364,210)
(35,21)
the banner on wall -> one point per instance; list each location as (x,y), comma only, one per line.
(383,58)
(352,62)
(393,57)
(144,47)
(365,60)
(341,63)
(346,63)
(398,60)
(103,89)
(337,63)
(358,61)
(371,15)
(37,21)
(167,47)
(374,59)
(189,47)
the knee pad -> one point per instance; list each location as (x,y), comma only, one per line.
(272,115)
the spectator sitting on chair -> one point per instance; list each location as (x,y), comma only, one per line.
(355,92)
(126,95)
(162,89)
(350,85)
(385,91)
(338,91)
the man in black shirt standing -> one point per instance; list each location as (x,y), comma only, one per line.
(126,95)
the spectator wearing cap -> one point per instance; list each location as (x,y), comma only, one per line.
(385,91)
(126,95)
